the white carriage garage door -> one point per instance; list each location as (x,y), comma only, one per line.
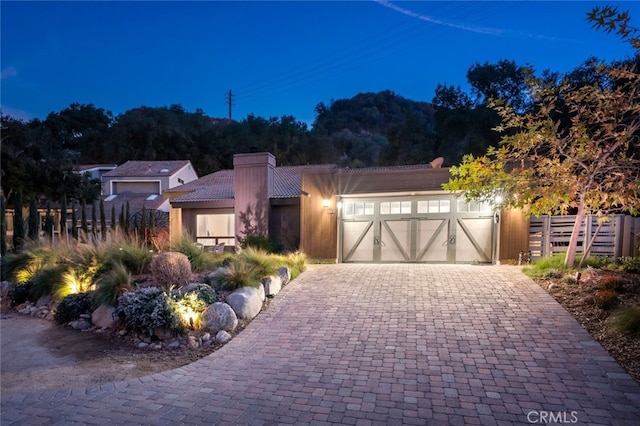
(434,228)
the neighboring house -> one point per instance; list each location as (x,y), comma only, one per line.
(141,183)
(95,171)
(381,214)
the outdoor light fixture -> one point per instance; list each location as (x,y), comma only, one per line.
(326,203)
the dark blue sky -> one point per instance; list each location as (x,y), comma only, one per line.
(278,58)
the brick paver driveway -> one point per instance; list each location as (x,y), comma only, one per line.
(384,344)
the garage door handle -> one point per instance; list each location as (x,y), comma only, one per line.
(376,240)
(452,239)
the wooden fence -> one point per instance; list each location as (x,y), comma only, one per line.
(617,238)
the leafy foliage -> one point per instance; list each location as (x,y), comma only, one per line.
(573,152)
(72,306)
(112,284)
(147,309)
(20,293)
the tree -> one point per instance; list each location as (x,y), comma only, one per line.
(3,227)
(63,218)
(33,231)
(587,164)
(18,221)
(48,223)
(74,221)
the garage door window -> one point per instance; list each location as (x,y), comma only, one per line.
(434,206)
(358,208)
(395,207)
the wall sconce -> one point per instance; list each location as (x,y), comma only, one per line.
(326,203)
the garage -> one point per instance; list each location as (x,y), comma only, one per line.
(435,228)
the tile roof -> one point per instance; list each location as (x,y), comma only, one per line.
(287,182)
(214,186)
(148,168)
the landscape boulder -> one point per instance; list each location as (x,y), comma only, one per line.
(285,275)
(103,317)
(272,285)
(247,301)
(219,316)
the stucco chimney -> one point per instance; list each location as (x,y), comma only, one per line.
(253,186)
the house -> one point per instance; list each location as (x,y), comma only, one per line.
(95,171)
(380,214)
(141,183)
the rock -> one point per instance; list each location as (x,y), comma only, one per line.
(246,301)
(206,336)
(285,275)
(192,342)
(25,311)
(103,317)
(219,316)
(43,301)
(85,316)
(143,345)
(80,324)
(174,345)
(4,288)
(552,287)
(155,346)
(272,285)
(223,337)
(123,332)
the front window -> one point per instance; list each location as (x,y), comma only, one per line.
(214,229)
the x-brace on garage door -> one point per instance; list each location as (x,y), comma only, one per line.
(416,229)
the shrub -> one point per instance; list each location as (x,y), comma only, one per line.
(112,285)
(188,308)
(627,320)
(265,263)
(135,257)
(71,307)
(631,264)
(297,263)
(171,269)
(199,259)
(605,299)
(610,282)
(237,274)
(146,309)
(20,293)
(203,291)
(48,280)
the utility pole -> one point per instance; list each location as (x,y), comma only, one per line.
(229,101)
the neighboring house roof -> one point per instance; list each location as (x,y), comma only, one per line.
(148,168)
(136,202)
(287,183)
(386,169)
(85,167)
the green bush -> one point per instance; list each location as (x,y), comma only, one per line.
(146,309)
(266,264)
(135,257)
(237,274)
(71,307)
(203,291)
(627,320)
(112,285)
(631,264)
(20,293)
(171,269)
